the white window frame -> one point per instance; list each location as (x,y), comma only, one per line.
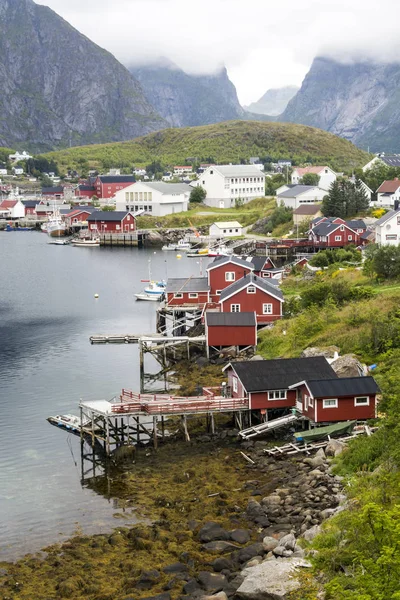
(234,310)
(338,238)
(269,310)
(361,398)
(310,401)
(218,292)
(306,400)
(235,384)
(335,400)
(178,295)
(251,289)
(277,395)
(230,276)
(349,237)
(193,295)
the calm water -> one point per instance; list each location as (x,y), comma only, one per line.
(47,313)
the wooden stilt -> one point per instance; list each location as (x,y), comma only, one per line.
(212,424)
(81,427)
(155,432)
(185,429)
(162,428)
(91,414)
(107,437)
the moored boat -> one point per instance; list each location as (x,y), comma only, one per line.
(92,242)
(55,225)
(10,227)
(149,297)
(196,253)
(183,245)
(320,433)
(220,251)
(70,423)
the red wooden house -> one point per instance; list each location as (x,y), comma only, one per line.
(112,221)
(264,267)
(222,272)
(78,215)
(335,232)
(339,399)
(267,382)
(107,185)
(230,329)
(253,294)
(85,191)
(192,291)
(30,206)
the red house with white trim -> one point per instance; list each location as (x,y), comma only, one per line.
(264,267)
(191,291)
(339,399)
(78,215)
(336,233)
(112,221)
(253,294)
(85,191)
(222,272)
(107,185)
(230,329)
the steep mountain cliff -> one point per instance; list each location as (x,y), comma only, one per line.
(58,87)
(359,101)
(187,100)
(274,101)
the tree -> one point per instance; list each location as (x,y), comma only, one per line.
(197,195)
(272,183)
(46,181)
(154,168)
(345,199)
(310,179)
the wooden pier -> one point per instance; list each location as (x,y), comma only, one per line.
(136,238)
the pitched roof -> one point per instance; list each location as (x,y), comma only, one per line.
(29,203)
(222,260)
(227,224)
(117,178)
(327,227)
(240,319)
(8,203)
(238,170)
(304,170)
(307,209)
(56,189)
(391,160)
(386,217)
(168,188)
(297,190)
(184,284)
(108,215)
(86,188)
(342,386)
(251,279)
(356,224)
(389,186)
(279,374)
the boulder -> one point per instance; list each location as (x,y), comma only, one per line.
(191,586)
(212,531)
(221,564)
(175,568)
(164,596)
(219,547)
(347,366)
(334,448)
(271,580)
(311,533)
(219,596)
(269,543)
(288,541)
(212,582)
(147,579)
(241,536)
(328,352)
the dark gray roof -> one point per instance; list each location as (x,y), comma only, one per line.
(241,319)
(117,178)
(307,209)
(325,228)
(356,224)
(230,259)
(53,190)
(86,188)
(279,374)
(107,215)
(183,284)
(296,191)
(264,284)
(30,203)
(343,386)
(392,161)
(385,218)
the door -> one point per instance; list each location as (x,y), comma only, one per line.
(221,204)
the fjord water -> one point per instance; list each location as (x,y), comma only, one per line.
(47,313)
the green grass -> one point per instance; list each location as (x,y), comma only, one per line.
(222,142)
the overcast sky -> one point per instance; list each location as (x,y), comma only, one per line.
(264,44)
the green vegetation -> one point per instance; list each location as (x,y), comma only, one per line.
(345,199)
(277,223)
(383,262)
(198,194)
(310,179)
(221,143)
(325,258)
(378,173)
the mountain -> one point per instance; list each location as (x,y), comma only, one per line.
(58,87)
(274,101)
(221,143)
(358,101)
(187,100)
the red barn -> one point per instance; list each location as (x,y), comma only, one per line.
(253,294)
(230,329)
(30,206)
(222,272)
(112,221)
(339,399)
(192,290)
(267,382)
(107,185)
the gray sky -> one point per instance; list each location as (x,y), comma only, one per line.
(264,44)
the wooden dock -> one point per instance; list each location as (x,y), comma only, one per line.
(136,239)
(121,338)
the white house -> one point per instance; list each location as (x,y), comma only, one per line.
(139,172)
(225,184)
(18,170)
(154,198)
(12,209)
(326,175)
(387,228)
(185,170)
(387,193)
(18,156)
(296,195)
(390,160)
(226,229)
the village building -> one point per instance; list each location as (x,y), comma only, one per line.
(183,170)
(253,294)
(154,198)
(387,228)
(297,195)
(18,171)
(30,208)
(55,191)
(85,191)
(112,222)
(390,160)
(222,272)
(18,156)
(12,209)
(337,399)
(107,186)
(335,232)
(305,213)
(226,229)
(326,175)
(230,329)
(78,216)
(227,184)
(264,267)
(187,291)
(388,193)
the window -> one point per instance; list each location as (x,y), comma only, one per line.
(150,196)
(234,384)
(267,309)
(178,295)
(349,237)
(391,237)
(136,196)
(117,227)
(311,402)
(330,403)
(342,228)
(145,208)
(338,238)
(140,195)
(251,289)
(211,172)
(136,208)
(218,292)
(361,401)
(131,196)
(145,196)
(126,196)
(193,295)
(230,276)
(277,395)
(150,209)
(235,307)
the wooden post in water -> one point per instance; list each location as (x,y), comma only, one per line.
(81,426)
(92,429)
(107,436)
(141,365)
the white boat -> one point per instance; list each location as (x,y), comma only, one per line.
(59,242)
(182,245)
(43,227)
(149,297)
(220,251)
(69,422)
(92,242)
(55,225)
(154,291)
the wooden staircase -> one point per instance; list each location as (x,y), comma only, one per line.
(269,426)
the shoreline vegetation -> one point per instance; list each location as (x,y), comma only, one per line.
(183,487)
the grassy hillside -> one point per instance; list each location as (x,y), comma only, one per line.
(222,143)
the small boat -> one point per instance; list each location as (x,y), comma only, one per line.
(319,433)
(149,297)
(43,227)
(12,228)
(155,290)
(92,242)
(183,245)
(59,242)
(220,251)
(70,423)
(155,287)
(197,253)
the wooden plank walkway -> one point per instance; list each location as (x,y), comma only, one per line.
(135,338)
(268,426)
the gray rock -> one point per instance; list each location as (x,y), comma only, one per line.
(191,586)
(272,500)
(164,596)
(241,536)
(250,552)
(288,541)
(219,547)
(269,543)
(212,531)
(147,579)
(311,533)
(219,596)
(271,580)
(334,448)
(328,512)
(279,551)
(221,564)
(212,582)
(254,561)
